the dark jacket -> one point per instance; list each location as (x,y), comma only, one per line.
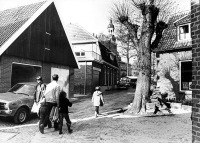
(38,94)
(64,103)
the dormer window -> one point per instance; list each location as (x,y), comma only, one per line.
(184,32)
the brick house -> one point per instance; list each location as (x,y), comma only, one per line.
(33,42)
(195,31)
(174,57)
(98,64)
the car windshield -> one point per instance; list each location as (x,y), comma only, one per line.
(133,80)
(124,79)
(23,89)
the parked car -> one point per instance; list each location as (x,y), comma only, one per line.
(18,101)
(132,81)
(123,83)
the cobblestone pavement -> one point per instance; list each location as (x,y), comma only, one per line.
(8,122)
(110,127)
(75,111)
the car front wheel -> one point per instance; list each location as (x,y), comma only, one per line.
(20,116)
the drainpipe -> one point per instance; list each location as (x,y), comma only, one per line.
(85,79)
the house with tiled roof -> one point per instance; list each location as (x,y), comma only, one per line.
(98,64)
(33,42)
(174,56)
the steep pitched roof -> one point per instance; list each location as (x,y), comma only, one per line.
(13,19)
(13,22)
(169,40)
(77,34)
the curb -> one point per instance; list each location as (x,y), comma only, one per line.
(150,106)
(180,106)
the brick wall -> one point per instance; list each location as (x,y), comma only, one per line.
(79,76)
(89,85)
(71,82)
(79,79)
(195,28)
(6,72)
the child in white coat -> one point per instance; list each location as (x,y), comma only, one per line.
(97,98)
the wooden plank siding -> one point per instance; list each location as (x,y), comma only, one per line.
(32,42)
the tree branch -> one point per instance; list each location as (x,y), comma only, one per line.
(159,31)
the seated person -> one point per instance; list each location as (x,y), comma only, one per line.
(157,99)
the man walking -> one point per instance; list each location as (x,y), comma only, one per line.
(52,99)
(39,90)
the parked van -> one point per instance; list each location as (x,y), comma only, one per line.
(132,81)
(123,83)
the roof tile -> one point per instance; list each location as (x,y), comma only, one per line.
(13,19)
(77,33)
(169,40)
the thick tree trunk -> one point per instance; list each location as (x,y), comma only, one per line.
(144,45)
(141,94)
(143,83)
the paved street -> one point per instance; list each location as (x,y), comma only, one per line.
(111,127)
(81,106)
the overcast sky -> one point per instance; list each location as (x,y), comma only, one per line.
(92,15)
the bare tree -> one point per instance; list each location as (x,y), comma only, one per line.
(145,35)
(126,47)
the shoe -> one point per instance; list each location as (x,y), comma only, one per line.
(60,133)
(168,109)
(70,131)
(49,126)
(41,128)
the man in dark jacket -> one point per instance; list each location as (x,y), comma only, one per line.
(157,99)
(39,90)
(63,112)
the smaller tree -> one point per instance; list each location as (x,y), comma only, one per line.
(125,45)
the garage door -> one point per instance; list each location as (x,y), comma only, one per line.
(63,80)
(24,73)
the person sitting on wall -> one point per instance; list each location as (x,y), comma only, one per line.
(158,99)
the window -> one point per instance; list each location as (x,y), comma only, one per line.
(80,54)
(185,75)
(184,32)
(77,53)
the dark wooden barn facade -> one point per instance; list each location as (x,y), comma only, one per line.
(34,42)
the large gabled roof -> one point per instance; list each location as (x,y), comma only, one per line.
(13,19)
(169,41)
(77,34)
(13,22)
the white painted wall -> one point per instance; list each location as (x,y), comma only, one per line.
(63,80)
